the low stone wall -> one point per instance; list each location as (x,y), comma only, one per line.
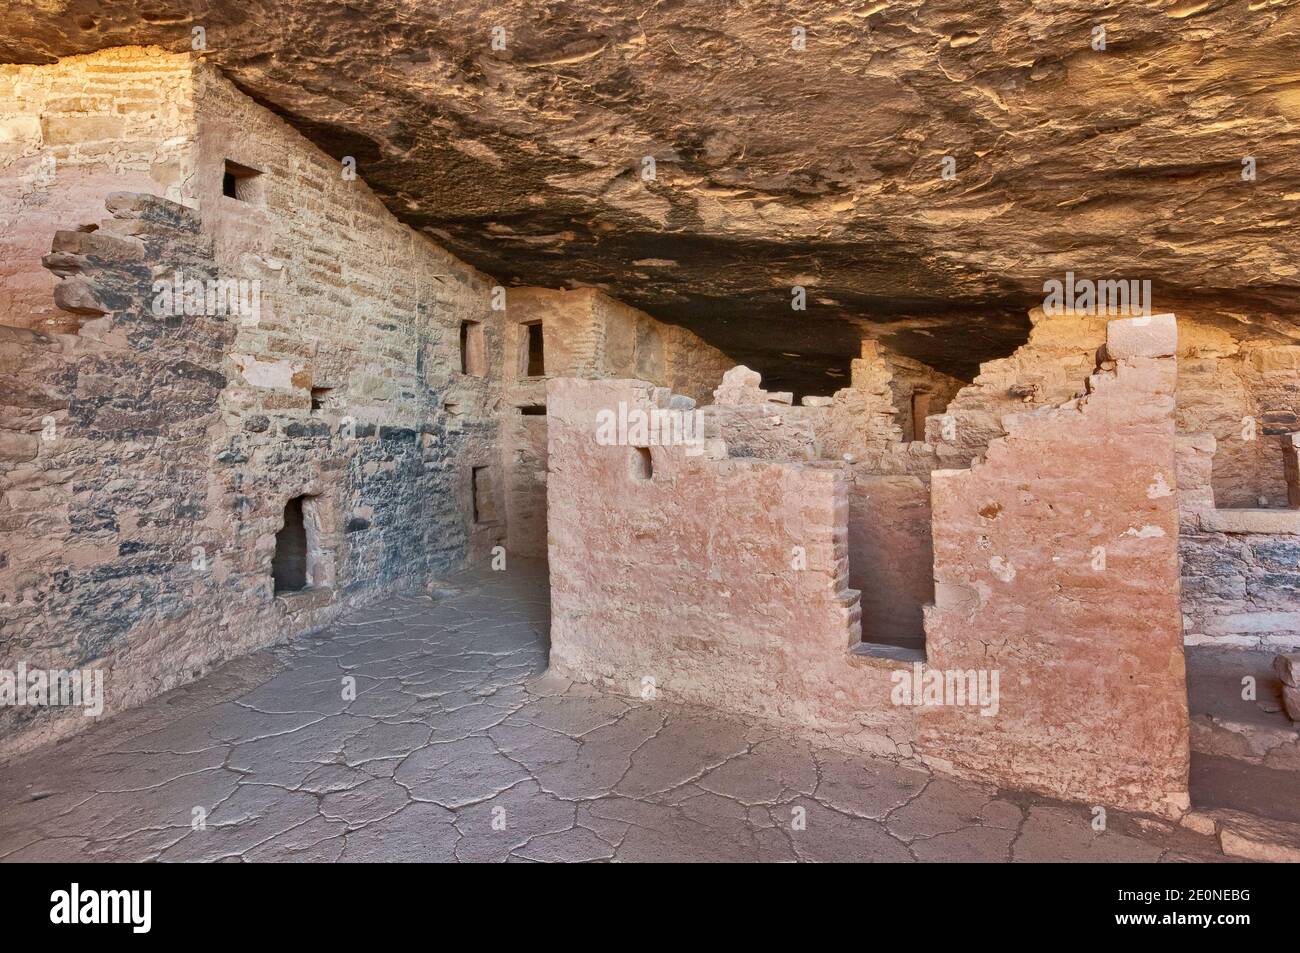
(724,581)
(715,580)
(890,556)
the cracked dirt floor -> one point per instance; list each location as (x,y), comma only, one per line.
(455,749)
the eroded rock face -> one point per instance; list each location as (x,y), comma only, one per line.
(776,166)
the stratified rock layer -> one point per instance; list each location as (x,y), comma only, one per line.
(1171,154)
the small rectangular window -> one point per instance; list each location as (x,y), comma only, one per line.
(533,410)
(643,467)
(318,397)
(920,410)
(535,354)
(242,183)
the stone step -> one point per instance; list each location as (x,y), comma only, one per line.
(1252,837)
(1268,746)
(1254,730)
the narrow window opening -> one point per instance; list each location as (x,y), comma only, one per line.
(643,467)
(535,355)
(473,356)
(289,564)
(533,410)
(318,397)
(484,499)
(242,183)
(920,410)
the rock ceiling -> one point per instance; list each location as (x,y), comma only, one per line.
(774,166)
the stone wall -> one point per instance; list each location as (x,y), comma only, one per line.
(1056,563)
(852,424)
(1240,567)
(148,456)
(890,557)
(360,306)
(1048,369)
(1246,394)
(919,391)
(105,472)
(1242,395)
(586,334)
(71,133)
(1238,402)
(715,580)
(725,581)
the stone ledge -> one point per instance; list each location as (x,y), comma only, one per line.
(891,653)
(1154,335)
(1251,521)
(303,599)
(1257,838)
(1260,622)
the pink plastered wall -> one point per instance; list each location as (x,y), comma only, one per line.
(717,581)
(1056,564)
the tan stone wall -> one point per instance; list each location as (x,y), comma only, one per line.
(1238,405)
(71,133)
(587,334)
(573,344)
(1243,391)
(919,391)
(861,417)
(1056,562)
(140,538)
(1240,567)
(639,346)
(853,424)
(1048,369)
(353,301)
(1246,394)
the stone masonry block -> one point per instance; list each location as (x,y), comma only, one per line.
(1287,667)
(1153,335)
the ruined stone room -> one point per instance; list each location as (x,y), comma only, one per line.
(579,431)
